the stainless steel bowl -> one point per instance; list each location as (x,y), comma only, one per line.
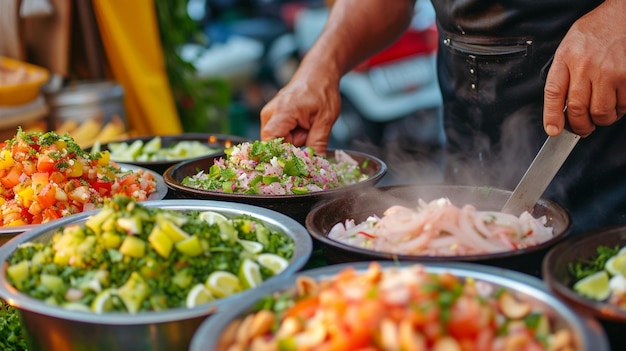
(53,328)
(8,232)
(325,215)
(295,206)
(586,330)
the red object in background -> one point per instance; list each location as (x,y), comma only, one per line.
(411,43)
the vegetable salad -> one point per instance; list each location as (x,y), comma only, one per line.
(399,308)
(276,168)
(45,176)
(131,258)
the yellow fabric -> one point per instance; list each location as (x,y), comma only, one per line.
(130,35)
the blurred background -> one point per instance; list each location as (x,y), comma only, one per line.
(114,69)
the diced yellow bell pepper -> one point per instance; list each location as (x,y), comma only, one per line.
(6,159)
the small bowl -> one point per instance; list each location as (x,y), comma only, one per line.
(582,247)
(295,206)
(588,333)
(217,141)
(53,328)
(360,206)
(558,279)
(8,232)
(21,92)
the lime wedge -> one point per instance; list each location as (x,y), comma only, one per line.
(153,145)
(273,262)
(76,306)
(103,301)
(254,247)
(595,286)
(616,265)
(250,274)
(223,283)
(198,295)
(212,217)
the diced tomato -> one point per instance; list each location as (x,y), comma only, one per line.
(12,178)
(50,214)
(101,186)
(57,178)
(45,164)
(303,309)
(466,318)
(47,196)
(39,179)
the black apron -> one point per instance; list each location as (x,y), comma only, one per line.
(490,60)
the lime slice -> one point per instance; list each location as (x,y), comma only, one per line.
(250,274)
(223,283)
(212,217)
(616,265)
(153,145)
(254,247)
(198,295)
(103,301)
(595,286)
(273,262)
(76,306)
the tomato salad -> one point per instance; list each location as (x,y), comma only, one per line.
(46,176)
(396,308)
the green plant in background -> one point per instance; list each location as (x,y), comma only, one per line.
(202,103)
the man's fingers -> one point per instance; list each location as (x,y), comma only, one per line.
(555,94)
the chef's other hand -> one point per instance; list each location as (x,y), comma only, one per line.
(588,73)
(303,112)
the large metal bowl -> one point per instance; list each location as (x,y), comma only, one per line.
(358,207)
(8,232)
(295,206)
(588,333)
(53,328)
(583,247)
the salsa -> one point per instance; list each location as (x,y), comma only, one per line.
(46,176)
(132,258)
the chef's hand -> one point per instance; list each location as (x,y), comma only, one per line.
(588,73)
(304,111)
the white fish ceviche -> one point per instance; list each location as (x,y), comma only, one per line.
(276,168)
(396,308)
(440,228)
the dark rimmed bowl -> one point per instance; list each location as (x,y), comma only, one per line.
(8,232)
(582,247)
(217,141)
(295,206)
(588,333)
(53,328)
(360,206)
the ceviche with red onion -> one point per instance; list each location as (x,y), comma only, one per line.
(276,168)
(46,176)
(440,228)
(396,308)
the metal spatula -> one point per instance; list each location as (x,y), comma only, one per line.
(538,176)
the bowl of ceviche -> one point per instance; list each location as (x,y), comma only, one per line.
(436,223)
(46,176)
(402,306)
(143,276)
(160,152)
(275,175)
